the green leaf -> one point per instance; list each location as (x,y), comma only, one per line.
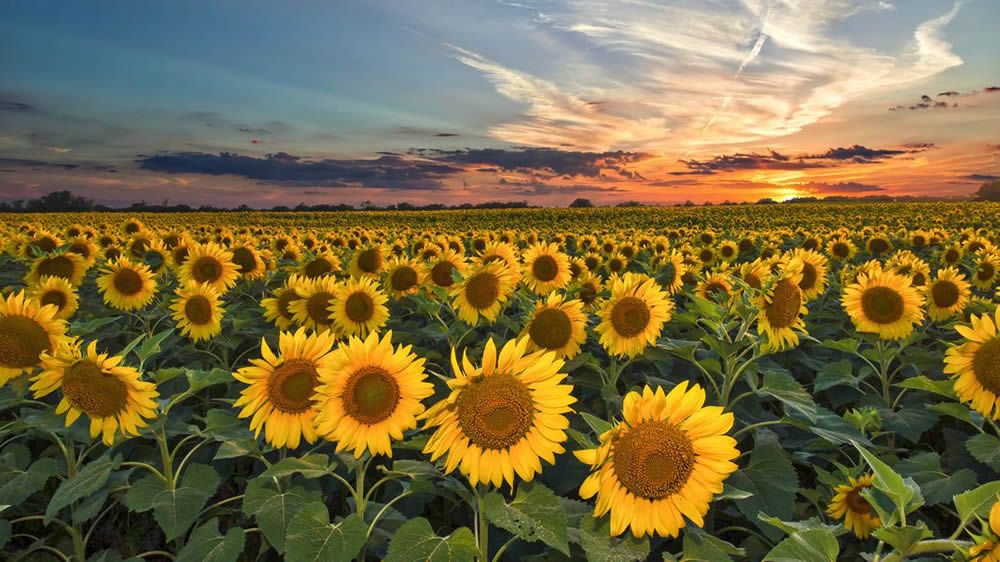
(902,538)
(791,394)
(939,387)
(848,345)
(17,485)
(415,540)
(772,480)
(198,380)
(85,482)
(957,411)
(600,546)
(887,480)
(151,346)
(977,502)
(4,532)
(310,466)
(814,545)
(416,470)
(986,449)
(792,527)
(909,422)
(174,510)
(702,547)
(937,485)
(131,345)
(310,536)
(245,447)
(835,374)
(535,514)
(730,492)
(208,545)
(597,424)
(274,510)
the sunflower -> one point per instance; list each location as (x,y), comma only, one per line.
(857,512)
(616,264)
(502,417)
(27,330)
(593,260)
(402,277)
(947,295)
(986,271)
(126,285)
(987,548)
(249,264)
(113,396)
(132,227)
(440,269)
(319,264)
(841,249)
(312,308)
(367,262)
(156,256)
(782,306)
(503,251)
(370,393)
(754,274)
(588,289)
(814,267)
(559,326)
(878,245)
(884,303)
(728,251)
(67,265)
(546,268)
(975,365)
(483,292)
(662,463)
(276,308)
(671,272)
(198,311)
(358,307)
(633,316)
(715,287)
(951,255)
(85,248)
(281,388)
(57,292)
(210,264)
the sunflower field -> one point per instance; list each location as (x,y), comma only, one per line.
(775,382)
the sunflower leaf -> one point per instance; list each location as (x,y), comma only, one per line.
(310,466)
(208,545)
(85,482)
(772,480)
(174,509)
(273,509)
(17,483)
(977,502)
(986,449)
(535,514)
(815,545)
(600,546)
(416,540)
(311,536)
(791,394)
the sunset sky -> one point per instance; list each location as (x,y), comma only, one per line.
(337,101)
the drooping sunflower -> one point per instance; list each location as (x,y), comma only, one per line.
(113,396)
(58,292)
(312,308)
(483,292)
(198,311)
(27,330)
(126,285)
(501,417)
(633,316)
(402,277)
(281,387)
(975,365)
(987,269)
(847,503)
(545,268)
(663,463)
(782,306)
(369,261)
(671,272)
(884,303)
(947,295)
(67,265)
(589,288)
(814,268)
(210,264)
(370,394)
(987,547)
(558,325)
(358,307)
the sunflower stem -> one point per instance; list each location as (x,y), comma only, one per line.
(482,525)
(360,499)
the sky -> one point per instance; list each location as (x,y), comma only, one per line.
(339,101)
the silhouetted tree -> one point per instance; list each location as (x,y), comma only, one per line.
(581,203)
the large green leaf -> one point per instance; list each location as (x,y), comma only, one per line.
(19,482)
(535,514)
(977,502)
(902,538)
(174,510)
(814,545)
(208,545)
(699,546)
(310,466)
(274,510)
(772,480)
(416,540)
(791,394)
(835,374)
(85,482)
(890,483)
(986,449)
(311,536)
(936,484)
(600,546)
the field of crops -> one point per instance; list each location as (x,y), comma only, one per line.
(771,382)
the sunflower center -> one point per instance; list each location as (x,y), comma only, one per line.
(592,262)
(482,290)
(359,307)
(615,265)
(128,281)
(46,244)
(79,249)
(286,298)
(198,310)
(841,250)
(441,273)
(180,254)
(291,385)
(244,260)
(706,255)
(986,365)
(856,503)
(588,293)
(878,246)
(369,260)
(371,395)
(55,297)
(951,256)
(714,289)
(545,268)
(495,411)
(57,266)
(92,390)
(945,294)
(551,329)
(785,304)
(403,278)
(629,316)
(206,270)
(919,279)
(654,459)
(808,276)
(882,305)
(986,271)
(317,305)
(22,340)
(727,251)
(318,267)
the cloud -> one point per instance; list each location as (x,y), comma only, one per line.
(981,177)
(16,106)
(856,154)
(560,162)
(991,89)
(385,172)
(37,164)
(950,93)
(537,187)
(446,135)
(841,187)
